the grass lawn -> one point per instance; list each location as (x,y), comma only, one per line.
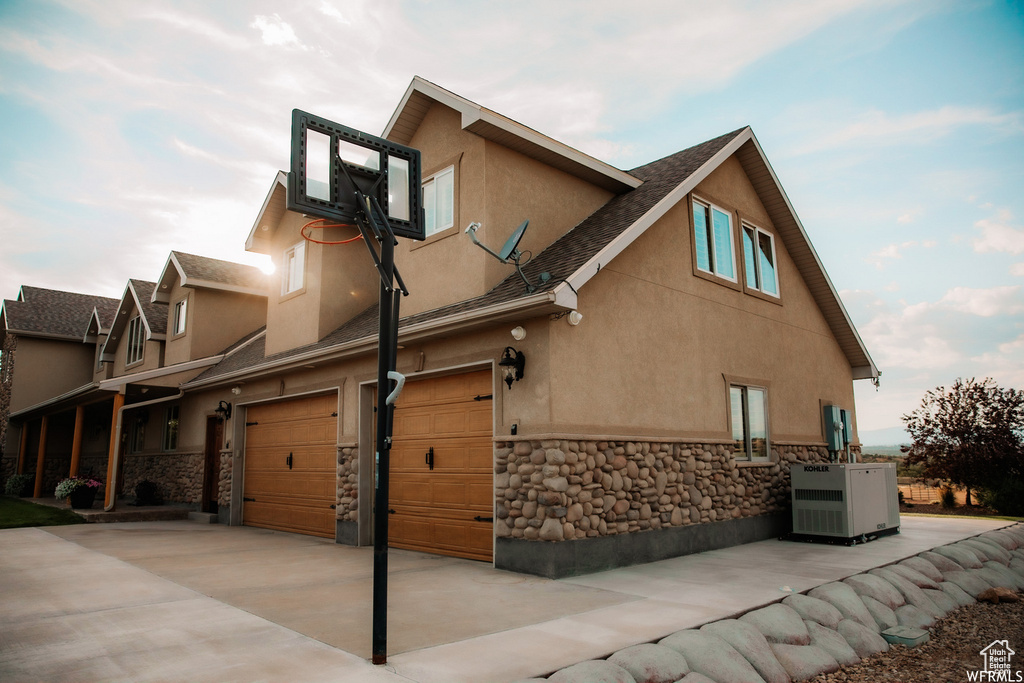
(16,513)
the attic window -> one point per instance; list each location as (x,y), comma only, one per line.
(759,260)
(180,313)
(136,341)
(712,235)
(294,265)
(439,201)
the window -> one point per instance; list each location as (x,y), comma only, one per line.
(749,410)
(136,340)
(171,429)
(439,201)
(293,268)
(759,260)
(180,311)
(712,234)
(137,437)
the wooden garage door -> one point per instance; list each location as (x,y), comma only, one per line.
(447,509)
(290,465)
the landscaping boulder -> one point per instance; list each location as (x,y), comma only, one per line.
(942,563)
(944,602)
(831,642)
(593,671)
(913,595)
(814,609)
(911,615)
(779,623)
(650,663)
(997,595)
(990,550)
(877,588)
(864,641)
(913,576)
(1005,540)
(1011,578)
(696,677)
(804,661)
(924,566)
(752,644)
(957,593)
(962,556)
(968,580)
(883,616)
(710,655)
(1017,565)
(845,599)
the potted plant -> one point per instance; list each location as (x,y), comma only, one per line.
(80,491)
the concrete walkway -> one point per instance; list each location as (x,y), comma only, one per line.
(182,601)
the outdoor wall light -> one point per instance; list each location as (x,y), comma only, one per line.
(236,390)
(575,317)
(519,333)
(512,364)
(223,410)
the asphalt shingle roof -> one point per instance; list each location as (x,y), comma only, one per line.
(154,313)
(208,269)
(52,312)
(561,259)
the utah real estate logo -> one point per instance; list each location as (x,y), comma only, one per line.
(997,657)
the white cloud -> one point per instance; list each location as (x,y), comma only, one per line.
(997,234)
(892,252)
(985,303)
(1017,269)
(329,10)
(275,31)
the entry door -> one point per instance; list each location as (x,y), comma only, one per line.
(211,464)
(441,475)
(290,465)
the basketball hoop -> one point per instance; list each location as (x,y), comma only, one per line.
(323,225)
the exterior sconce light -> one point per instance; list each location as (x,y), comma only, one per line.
(236,390)
(575,317)
(519,333)
(223,410)
(512,364)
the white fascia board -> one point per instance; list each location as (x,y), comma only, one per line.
(407,333)
(116,326)
(619,244)
(116,383)
(873,372)
(280,179)
(161,293)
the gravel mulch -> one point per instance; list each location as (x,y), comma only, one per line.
(952,651)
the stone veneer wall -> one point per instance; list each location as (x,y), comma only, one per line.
(555,490)
(179,475)
(224,479)
(348,484)
(7,356)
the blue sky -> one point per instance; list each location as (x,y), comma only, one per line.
(897,129)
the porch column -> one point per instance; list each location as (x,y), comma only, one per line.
(23,448)
(115,443)
(76,443)
(40,460)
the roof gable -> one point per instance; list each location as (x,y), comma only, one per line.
(138,295)
(207,273)
(493,126)
(270,214)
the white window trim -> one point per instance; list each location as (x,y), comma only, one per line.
(136,339)
(759,285)
(431,183)
(180,323)
(747,453)
(298,252)
(713,246)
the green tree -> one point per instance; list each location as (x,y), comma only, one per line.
(971,434)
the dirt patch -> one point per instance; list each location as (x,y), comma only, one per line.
(953,650)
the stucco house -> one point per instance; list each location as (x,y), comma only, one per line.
(680,337)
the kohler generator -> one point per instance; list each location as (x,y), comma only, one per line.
(844,502)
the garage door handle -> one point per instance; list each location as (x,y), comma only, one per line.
(430,458)
(478,518)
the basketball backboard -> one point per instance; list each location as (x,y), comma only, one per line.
(319,185)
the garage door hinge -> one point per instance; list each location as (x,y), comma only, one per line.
(248,500)
(251,424)
(334,414)
(334,507)
(480,397)
(478,518)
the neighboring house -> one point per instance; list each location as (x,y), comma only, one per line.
(662,422)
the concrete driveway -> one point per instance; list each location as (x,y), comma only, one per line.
(181,601)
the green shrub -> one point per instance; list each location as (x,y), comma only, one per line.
(1006,498)
(947,496)
(20,485)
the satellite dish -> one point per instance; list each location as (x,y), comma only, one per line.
(512,243)
(509,252)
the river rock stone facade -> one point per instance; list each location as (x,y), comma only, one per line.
(224,479)
(179,475)
(556,490)
(348,484)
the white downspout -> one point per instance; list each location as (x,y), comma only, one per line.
(116,455)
